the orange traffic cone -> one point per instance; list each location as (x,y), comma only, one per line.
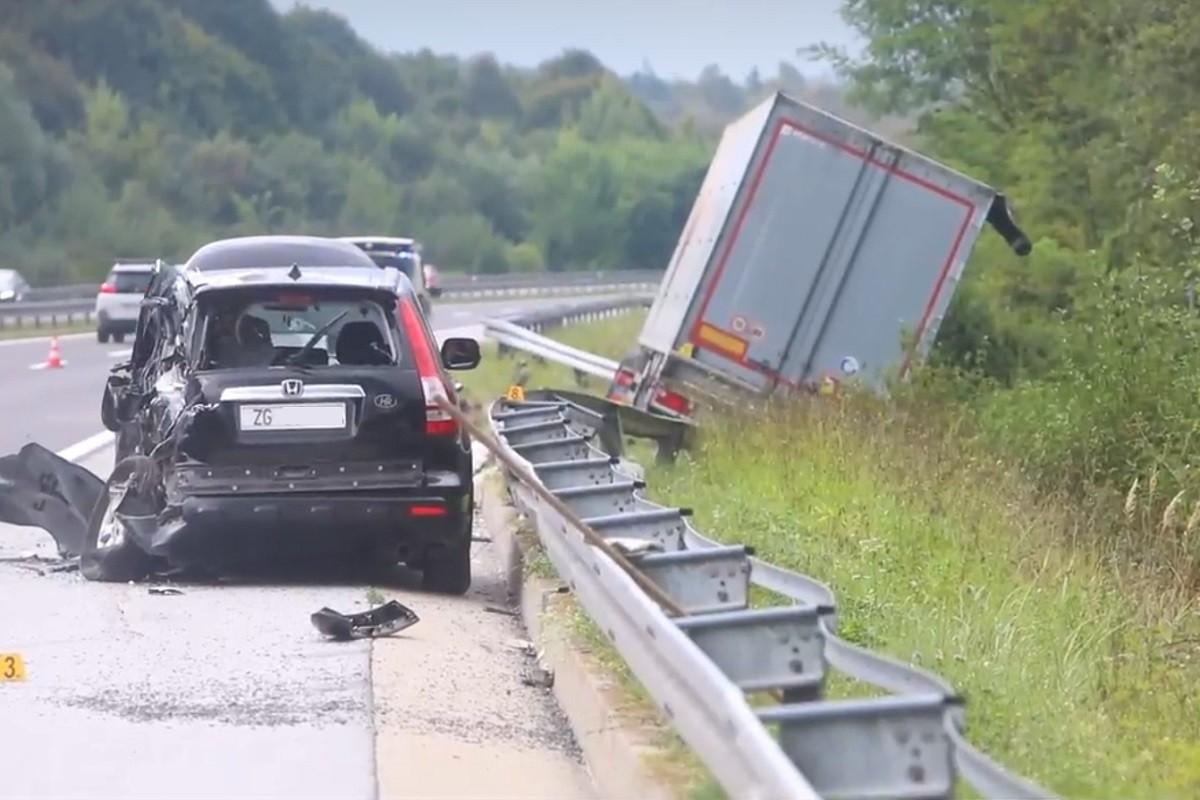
(54,360)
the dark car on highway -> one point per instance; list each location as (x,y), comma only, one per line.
(281,404)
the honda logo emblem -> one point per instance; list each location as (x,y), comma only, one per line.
(293,387)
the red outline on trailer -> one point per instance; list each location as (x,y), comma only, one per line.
(756,179)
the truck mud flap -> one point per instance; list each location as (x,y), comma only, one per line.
(1001,219)
(41,489)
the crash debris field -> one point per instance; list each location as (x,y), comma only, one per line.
(178,688)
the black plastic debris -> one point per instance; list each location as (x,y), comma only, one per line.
(164,590)
(41,489)
(540,677)
(389,618)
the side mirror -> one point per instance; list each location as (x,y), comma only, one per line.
(108,411)
(460,353)
(118,404)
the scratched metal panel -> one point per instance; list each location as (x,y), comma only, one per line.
(773,262)
(663,329)
(829,250)
(908,254)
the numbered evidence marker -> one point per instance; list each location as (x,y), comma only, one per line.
(12,667)
(515,393)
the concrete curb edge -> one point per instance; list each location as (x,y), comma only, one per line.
(612,750)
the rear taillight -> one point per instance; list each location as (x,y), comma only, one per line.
(673,402)
(107,288)
(427,511)
(623,378)
(437,421)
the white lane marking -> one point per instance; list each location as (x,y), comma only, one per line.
(43,338)
(42,365)
(88,447)
(120,353)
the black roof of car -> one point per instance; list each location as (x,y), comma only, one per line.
(370,278)
(264,252)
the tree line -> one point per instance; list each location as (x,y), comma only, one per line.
(143,128)
(1083,361)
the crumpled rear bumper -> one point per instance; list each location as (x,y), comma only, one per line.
(238,515)
(237,528)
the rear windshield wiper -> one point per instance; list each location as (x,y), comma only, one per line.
(311,343)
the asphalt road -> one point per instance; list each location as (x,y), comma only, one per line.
(226,691)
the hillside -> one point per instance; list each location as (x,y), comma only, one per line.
(713,99)
(142,128)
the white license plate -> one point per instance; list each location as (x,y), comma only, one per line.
(293,416)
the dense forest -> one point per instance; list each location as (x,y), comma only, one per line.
(142,128)
(1083,361)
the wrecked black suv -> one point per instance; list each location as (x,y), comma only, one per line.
(280,404)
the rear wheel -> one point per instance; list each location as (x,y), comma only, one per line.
(109,552)
(446,569)
(102,336)
(119,338)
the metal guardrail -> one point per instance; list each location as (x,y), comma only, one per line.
(699,666)
(72,304)
(522,332)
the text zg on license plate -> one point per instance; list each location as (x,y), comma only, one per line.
(292,416)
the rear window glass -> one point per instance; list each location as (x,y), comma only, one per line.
(130,282)
(270,331)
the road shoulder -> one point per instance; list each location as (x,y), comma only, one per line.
(481,725)
(628,746)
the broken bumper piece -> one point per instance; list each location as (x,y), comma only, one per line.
(389,618)
(41,489)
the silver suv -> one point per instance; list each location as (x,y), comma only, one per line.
(120,300)
(12,286)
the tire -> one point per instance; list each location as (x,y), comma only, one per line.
(102,336)
(446,569)
(125,443)
(118,563)
(119,338)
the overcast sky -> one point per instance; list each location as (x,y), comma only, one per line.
(677,38)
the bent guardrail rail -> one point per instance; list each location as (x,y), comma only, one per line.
(515,337)
(699,665)
(523,332)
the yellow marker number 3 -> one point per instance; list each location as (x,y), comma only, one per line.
(12,667)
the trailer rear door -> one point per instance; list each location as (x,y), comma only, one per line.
(837,244)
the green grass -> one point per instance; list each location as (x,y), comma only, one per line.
(1080,660)
(1080,671)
